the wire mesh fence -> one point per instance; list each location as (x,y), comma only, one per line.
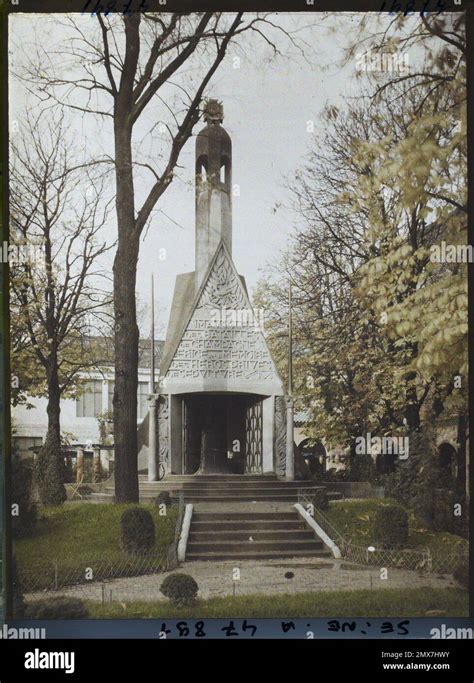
(60,572)
(444,561)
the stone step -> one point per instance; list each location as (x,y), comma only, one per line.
(239,498)
(246,546)
(247,483)
(255,525)
(237,490)
(250,486)
(243,516)
(285,498)
(255,555)
(185,478)
(225,536)
(159,486)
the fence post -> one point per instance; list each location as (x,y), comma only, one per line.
(55,564)
(429,562)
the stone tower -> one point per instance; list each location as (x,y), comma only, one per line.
(213,189)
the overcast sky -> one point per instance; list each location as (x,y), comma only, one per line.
(267,104)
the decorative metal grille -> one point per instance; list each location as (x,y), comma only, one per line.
(253,438)
(280,435)
(163,433)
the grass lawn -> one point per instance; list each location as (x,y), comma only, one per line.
(387,602)
(354,519)
(81,535)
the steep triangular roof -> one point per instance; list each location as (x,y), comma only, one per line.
(181,309)
(219,335)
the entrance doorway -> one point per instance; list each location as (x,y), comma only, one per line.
(222,434)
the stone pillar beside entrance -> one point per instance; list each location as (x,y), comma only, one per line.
(175,422)
(268,430)
(280,435)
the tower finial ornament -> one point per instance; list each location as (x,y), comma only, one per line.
(213,188)
(213,111)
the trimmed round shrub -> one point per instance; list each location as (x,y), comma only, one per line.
(56,608)
(461,574)
(362,468)
(391,527)
(181,589)
(320,499)
(137,531)
(163,498)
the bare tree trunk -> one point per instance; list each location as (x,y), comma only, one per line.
(50,466)
(125,274)
(54,407)
(126,380)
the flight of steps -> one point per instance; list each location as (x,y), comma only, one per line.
(251,535)
(217,488)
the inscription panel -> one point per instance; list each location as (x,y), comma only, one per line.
(233,352)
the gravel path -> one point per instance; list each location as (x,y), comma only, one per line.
(260,576)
